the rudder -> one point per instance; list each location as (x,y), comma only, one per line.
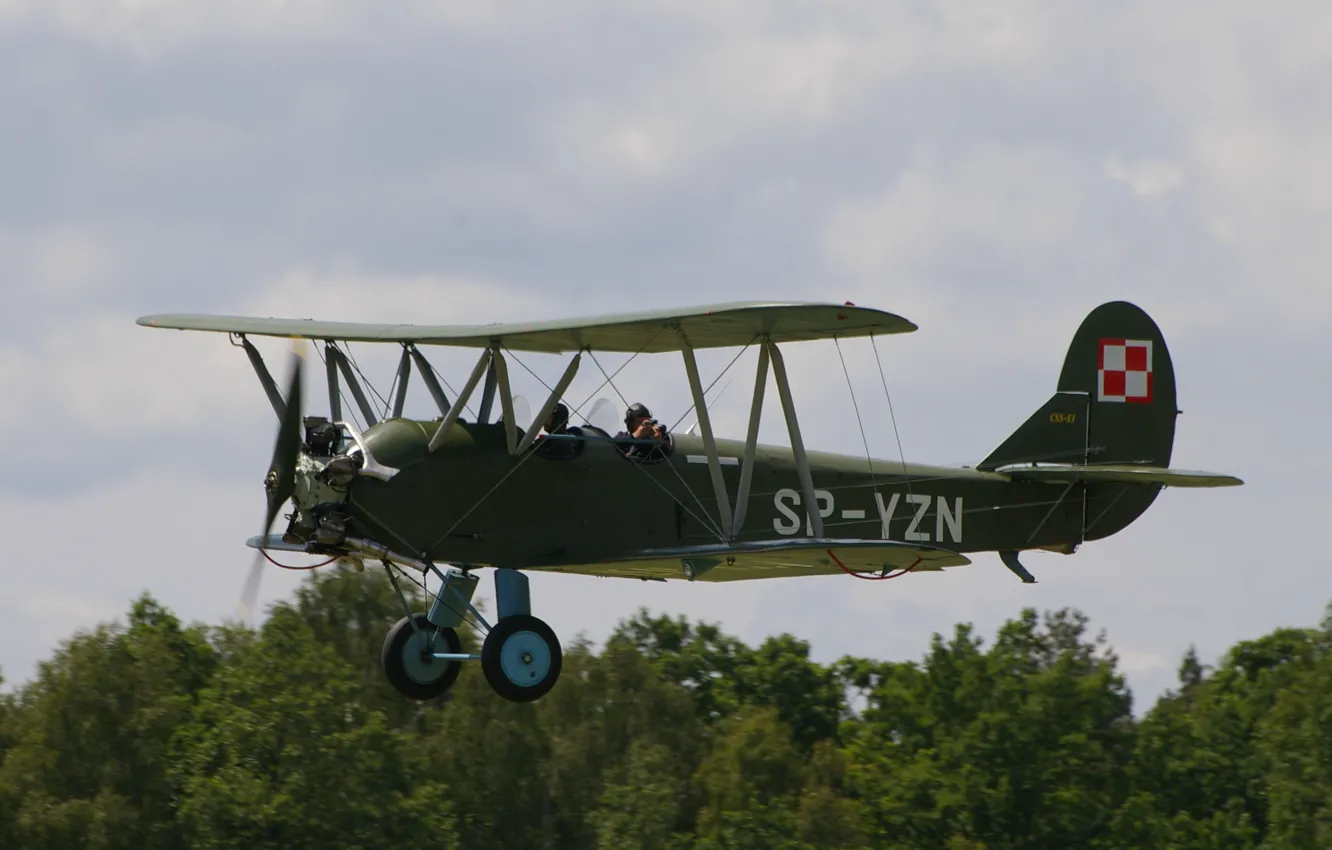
(1115,404)
(1115,401)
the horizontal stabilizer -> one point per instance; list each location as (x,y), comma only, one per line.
(774,559)
(1059,473)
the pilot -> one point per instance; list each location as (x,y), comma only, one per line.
(558,420)
(639,425)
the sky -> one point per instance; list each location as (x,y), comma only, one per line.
(991,172)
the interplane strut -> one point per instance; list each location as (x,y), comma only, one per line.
(451,417)
(797,443)
(428,376)
(404,375)
(709,440)
(751,439)
(265,379)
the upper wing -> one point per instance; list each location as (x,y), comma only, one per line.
(773,559)
(717,326)
(1120,473)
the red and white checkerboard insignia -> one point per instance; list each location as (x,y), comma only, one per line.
(1124,371)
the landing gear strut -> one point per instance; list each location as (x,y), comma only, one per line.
(520,657)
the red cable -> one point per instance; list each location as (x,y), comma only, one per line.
(288,567)
(849,572)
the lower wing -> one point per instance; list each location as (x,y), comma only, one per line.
(772,559)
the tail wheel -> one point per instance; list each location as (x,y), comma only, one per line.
(521,658)
(409,661)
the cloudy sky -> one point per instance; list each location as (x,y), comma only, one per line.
(990,173)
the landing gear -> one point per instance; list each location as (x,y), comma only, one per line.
(410,662)
(520,657)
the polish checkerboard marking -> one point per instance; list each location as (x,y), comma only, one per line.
(1124,371)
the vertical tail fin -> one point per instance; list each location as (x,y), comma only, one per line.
(1115,401)
(1115,404)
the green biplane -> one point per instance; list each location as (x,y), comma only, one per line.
(446,496)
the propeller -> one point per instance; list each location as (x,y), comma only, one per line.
(280,483)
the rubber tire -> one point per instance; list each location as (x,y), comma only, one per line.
(492,663)
(400,640)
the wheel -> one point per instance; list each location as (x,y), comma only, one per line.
(408,664)
(521,658)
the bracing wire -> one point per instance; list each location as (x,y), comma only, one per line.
(440,377)
(691,407)
(612,376)
(370,386)
(609,380)
(429,595)
(479,501)
(347,404)
(706,519)
(859,421)
(893,416)
(542,381)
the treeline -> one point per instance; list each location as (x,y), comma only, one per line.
(152,734)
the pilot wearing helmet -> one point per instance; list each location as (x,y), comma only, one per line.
(639,425)
(558,420)
(557,426)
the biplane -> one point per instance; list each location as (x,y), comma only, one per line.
(444,497)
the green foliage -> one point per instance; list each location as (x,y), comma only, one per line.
(1029,739)
(674,735)
(91,735)
(283,751)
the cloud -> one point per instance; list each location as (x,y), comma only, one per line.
(990,173)
(147,397)
(1146,179)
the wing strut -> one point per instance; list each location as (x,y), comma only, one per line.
(797,444)
(451,417)
(500,369)
(709,441)
(488,392)
(404,375)
(751,440)
(270,388)
(556,393)
(334,393)
(344,365)
(428,376)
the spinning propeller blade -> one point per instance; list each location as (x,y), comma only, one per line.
(250,593)
(280,483)
(281,480)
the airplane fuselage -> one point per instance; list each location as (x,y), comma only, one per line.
(472,502)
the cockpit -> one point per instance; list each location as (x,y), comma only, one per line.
(561,441)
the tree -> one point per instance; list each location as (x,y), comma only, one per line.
(284,750)
(748,783)
(674,735)
(1197,762)
(91,735)
(1295,739)
(1024,745)
(697,657)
